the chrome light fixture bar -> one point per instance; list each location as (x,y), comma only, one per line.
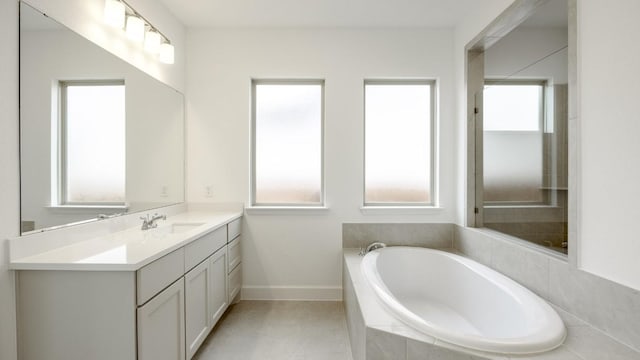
(121,15)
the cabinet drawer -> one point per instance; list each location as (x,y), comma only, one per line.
(234,254)
(235,282)
(161,325)
(158,275)
(235,228)
(203,247)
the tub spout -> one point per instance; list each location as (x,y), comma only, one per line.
(371,247)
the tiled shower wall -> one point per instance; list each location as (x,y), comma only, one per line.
(610,307)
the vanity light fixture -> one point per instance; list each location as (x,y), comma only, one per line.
(138,29)
(135,28)
(114,12)
(152,41)
(166,53)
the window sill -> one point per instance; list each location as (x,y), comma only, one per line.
(403,210)
(286,210)
(521,206)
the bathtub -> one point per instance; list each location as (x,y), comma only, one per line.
(461,302)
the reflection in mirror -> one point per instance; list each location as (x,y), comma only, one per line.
(98,137)
(524,141)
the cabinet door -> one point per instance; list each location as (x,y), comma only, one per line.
(234,254)
(235,282)
(197,283)
(161,325)
(218,299)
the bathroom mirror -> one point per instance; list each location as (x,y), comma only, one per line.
(525,133)
(98,137)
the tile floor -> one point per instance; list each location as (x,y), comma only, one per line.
(282,330)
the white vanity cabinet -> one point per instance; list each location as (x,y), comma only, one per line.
(161,308)
(204,298)
(161,311)
(205,289)
(234,267)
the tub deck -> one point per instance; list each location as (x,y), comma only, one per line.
(376,334)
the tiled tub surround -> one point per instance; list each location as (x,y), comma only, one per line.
(604,305)
(459,301)
(607,306)
(434,235)
(376,334)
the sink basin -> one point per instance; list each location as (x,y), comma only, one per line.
(179,227)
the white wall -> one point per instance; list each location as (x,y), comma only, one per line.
(80,11)
(467,29)
(9,206)
(608,78)
(285,251)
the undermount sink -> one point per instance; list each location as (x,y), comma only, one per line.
(179,227)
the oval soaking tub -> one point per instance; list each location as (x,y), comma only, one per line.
(461,302)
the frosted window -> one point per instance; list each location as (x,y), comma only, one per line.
(513,167)
(512,107)
(513,143)
(288,143)
(94,143)
(398,146)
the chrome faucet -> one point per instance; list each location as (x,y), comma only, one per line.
(371,247)
(150,223)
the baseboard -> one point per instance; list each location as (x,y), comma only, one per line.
(304,293)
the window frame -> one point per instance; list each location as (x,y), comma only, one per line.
(61,171)
(542,129)
(280,81)
(433,139)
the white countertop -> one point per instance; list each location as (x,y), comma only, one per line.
(127,250)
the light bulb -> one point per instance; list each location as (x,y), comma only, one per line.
(135,28)
(114,12)
(166,53)
(152,40)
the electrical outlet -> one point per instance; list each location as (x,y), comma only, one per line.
(164,191)
(208,191)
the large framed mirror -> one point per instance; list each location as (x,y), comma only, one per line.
(521,135)
(98,137)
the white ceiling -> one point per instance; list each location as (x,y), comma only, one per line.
(323,13)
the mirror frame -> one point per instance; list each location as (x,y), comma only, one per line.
(514,15)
